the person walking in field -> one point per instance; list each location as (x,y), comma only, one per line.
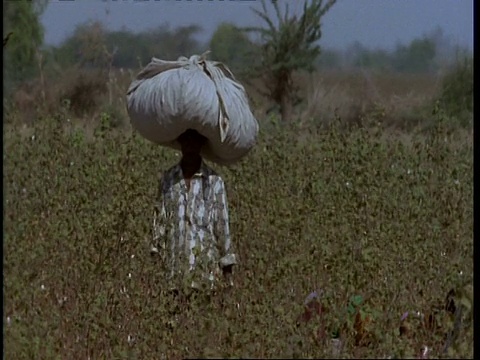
(191,235)
(191,232)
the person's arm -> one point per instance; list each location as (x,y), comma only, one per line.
(222,231)
(158,242)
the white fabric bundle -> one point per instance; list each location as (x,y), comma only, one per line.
(169,97)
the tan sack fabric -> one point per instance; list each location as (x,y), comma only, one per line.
(170,97)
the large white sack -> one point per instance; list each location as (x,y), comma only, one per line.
(170,97)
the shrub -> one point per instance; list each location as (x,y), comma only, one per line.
(457,92)
(85,92)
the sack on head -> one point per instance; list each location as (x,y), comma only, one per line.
(169,97)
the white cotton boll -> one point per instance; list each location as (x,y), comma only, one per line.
(62,300)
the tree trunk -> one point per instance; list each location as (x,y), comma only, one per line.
(286,108)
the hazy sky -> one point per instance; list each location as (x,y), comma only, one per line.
(374,23)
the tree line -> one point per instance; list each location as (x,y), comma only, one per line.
(284,45)
(91,42)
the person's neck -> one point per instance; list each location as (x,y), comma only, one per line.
(190,165)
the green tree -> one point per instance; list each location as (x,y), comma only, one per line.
(417,57)
(21,21)
(456,96)
(86,47)
(288,47)
(91,45)
(230,45)
(330,59)
(373,59)
(130,49)
(170,44)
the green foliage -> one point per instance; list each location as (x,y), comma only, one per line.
(131,49)
(457,91)
(231,46)
(91,45)
(417,57)
(177,42)
(361,215)
(21,19)
(374,59)
(330,59)
(288,47)
(84,94)
(423,55)
(85,48)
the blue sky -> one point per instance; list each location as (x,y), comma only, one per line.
(374,23)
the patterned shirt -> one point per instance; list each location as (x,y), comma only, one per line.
(191,228)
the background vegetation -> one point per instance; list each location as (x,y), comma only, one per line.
(365,196)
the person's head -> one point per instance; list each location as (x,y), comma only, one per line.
(191,142)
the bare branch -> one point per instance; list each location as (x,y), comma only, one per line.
(277,11)
(6,38)
(264,15)
(327,6)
